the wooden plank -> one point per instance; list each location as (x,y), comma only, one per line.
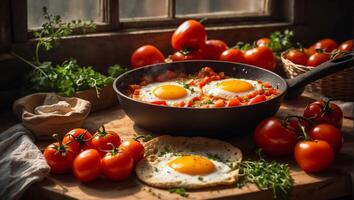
(332,184)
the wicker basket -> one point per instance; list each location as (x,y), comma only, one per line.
(338,86)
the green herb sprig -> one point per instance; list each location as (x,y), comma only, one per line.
(281,41)
(54,29)
(68,77)
(268,175)
(180,191)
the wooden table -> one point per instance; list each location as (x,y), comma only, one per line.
(334,183)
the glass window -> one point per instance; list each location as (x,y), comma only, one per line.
(206,8)
(130,10)
(67,9)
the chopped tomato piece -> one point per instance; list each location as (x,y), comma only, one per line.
(234,102)
(136,92)
(163,103)
(218,103)
(189,103)
(267,85)
(257,99)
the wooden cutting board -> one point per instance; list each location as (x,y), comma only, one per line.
(334,183)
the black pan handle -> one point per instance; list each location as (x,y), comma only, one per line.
(325,69)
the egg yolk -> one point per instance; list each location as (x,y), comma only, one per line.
(236,86)
(169,92)
(192,165)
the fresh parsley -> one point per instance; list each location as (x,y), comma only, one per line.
(181,191)
(268,175)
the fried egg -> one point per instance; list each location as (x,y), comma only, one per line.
(191,163)
(170,92)
(231,87)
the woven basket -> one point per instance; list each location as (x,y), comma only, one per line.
(339,86)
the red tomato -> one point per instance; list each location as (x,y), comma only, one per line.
(317,59)
(180,55)
(328,133)
(102,138)
(274,137)
(314,156)
(346,46)
(146,55)
(212,49)
(257,99)
(134,148)
(324,112)
(297,57)
(78,139)
(59,157)
(327,45)
(189,35)
(262,57)
(232,55)
(87,165)
(117,165)
(263,42)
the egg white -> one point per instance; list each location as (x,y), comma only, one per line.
(146,93)
(154,168)
(214,89)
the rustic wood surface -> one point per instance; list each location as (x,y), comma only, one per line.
(334,183)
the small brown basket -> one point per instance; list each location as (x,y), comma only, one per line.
(338,86)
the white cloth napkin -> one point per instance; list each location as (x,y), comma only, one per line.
(21,162)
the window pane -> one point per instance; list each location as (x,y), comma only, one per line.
(221,7)
(67,9)
(142,9)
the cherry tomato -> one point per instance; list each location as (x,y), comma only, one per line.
(297,57)
(189,35)
(328,133)
(59,157)
(78,139)
(324,112)
(313,156)
(262,57)
(212,49)
(327,45)
(146,55)
(263,42)
(257,99)
(317,59)
(346,46)
(117,165)
(274,137)
(102,138)
(232,55)
(181,55)
(87,165)
(134,148)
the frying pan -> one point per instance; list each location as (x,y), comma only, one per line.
(215,122)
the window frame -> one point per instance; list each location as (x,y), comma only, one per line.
(277,14)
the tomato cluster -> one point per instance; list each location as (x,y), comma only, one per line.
(319,52)
(190,42)
(314,138)
(87,156)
